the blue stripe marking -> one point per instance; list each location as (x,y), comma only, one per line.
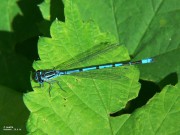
(118,64)
(90,68)
(72,71)
(144,61)
(105,66)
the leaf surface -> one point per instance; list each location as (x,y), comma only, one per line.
(160,115)
(10,10)
(85,105)
(87,101)
(147,28)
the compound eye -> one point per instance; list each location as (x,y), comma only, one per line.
(36,77)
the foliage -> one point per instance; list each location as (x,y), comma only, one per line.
(90,105)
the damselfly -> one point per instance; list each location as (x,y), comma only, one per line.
(47,75)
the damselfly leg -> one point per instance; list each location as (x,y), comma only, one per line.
(51,83)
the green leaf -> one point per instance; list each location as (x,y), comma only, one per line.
(52,10)
(163,66)
(147,28)
(85,105)
(45,9)
(143,26)
(14,15)
(160,116)
(10,10)
(18,22)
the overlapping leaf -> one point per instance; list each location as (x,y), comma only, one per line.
(9,10)
(160,116)
(85,105)
(147,28)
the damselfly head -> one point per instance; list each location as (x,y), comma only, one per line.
(37,76)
